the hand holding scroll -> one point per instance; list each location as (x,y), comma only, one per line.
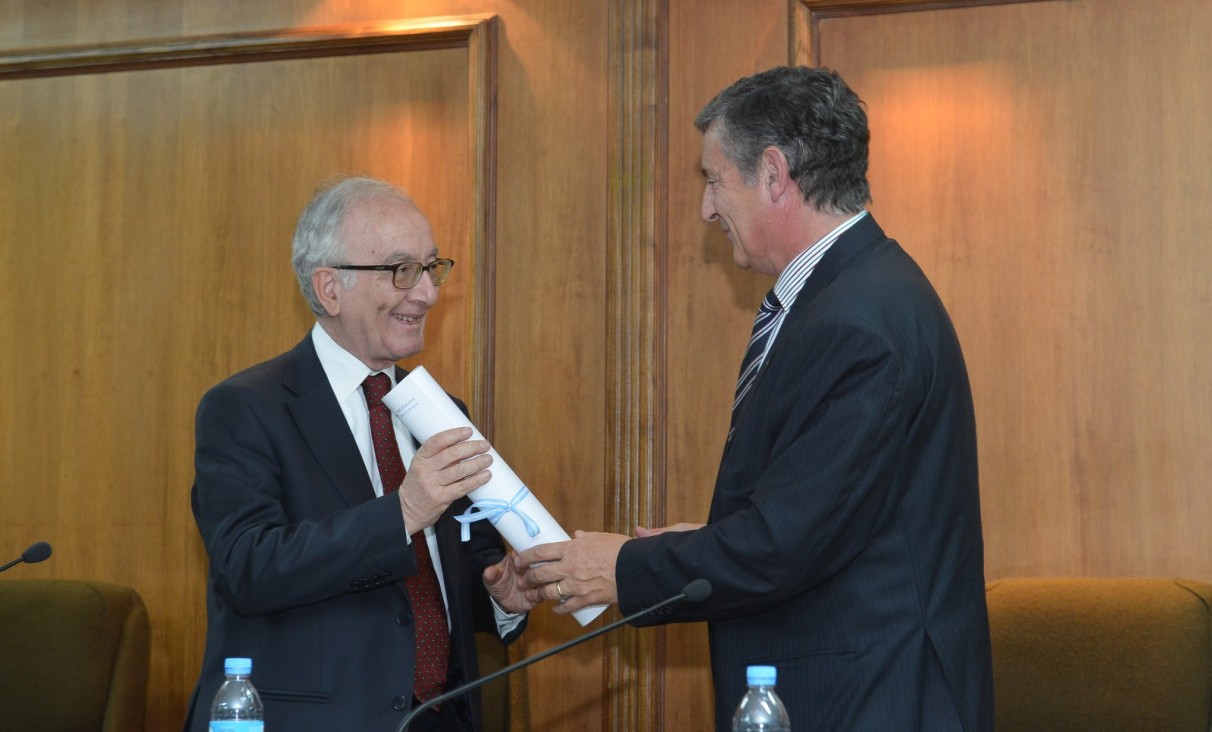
(575,574)
(446,467)
(504,500)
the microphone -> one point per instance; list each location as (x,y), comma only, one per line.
(694,591)
(37,552)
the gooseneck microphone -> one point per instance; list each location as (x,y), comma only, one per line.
(37,552)
(694,591)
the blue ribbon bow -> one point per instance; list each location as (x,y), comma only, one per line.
(493,509)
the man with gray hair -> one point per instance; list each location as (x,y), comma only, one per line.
(335,560)
(844,539)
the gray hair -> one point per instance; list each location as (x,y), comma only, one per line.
(318,242)
(809,114)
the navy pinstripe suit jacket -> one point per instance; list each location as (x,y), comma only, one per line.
(844,541)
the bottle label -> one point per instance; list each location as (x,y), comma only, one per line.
(245,725)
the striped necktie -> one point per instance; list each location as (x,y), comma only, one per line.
(763,326)
(424,593)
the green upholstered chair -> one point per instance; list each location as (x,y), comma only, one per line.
(1101,654)
(74,656)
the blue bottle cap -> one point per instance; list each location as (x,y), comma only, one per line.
(238,666)
(761,675)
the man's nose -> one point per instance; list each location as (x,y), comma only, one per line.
(707,208)
(425,290)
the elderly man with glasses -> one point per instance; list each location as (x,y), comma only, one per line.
(335,559)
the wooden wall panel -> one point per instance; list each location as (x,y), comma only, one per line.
(1029,155)
(547,365)
(551,368)
(1063,233)
(1042,163)
(147,230)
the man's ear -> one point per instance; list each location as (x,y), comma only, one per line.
(328,289)
(776,173)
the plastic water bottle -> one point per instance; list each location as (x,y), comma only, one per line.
(237,706)
(761,710)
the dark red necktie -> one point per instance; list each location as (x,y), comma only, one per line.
(429,614)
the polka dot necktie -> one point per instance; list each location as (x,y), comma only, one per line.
(429,614)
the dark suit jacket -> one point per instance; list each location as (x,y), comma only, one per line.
(307,565)
(844,542)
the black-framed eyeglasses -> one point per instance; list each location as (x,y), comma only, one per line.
(406,275)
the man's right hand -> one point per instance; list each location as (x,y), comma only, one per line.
(446,467)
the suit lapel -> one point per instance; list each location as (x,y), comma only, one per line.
(322,424)
(854,240)
(448,531)
(857,238)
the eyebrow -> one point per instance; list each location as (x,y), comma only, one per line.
(406,258)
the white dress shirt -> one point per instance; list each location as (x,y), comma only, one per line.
(345,374)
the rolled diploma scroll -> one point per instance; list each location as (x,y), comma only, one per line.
(505,501)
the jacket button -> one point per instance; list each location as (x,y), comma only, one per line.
(400,703)
(404,618)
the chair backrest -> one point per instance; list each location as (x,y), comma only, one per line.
(1101,654)
(74,655)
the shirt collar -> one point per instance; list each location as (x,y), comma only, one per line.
(344,370)
(795,274)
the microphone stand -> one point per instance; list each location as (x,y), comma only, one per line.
(697,590)
(37,552)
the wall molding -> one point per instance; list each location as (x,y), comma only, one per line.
(633,682)
(804,17)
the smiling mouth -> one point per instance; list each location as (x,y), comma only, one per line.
(410,319)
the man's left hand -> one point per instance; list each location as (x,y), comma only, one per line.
(507,585)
